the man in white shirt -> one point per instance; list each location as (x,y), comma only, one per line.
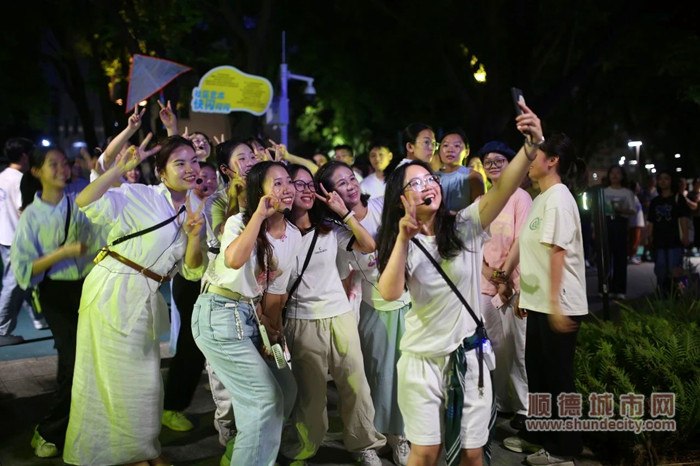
(379,158)
(17,151)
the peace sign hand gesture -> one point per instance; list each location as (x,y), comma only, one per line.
(409,226)
(333,201)
(167,117)
(133,156)
(195,220)
(268,206)
(134,122)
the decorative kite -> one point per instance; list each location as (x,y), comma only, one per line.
(149,75)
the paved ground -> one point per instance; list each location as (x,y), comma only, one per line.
(27,375)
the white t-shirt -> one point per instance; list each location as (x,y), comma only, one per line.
(553,220)
(10,203)
(373,186)
(320,294)
(438,322)
(637,220)
(365,265)
(622,197)
(251,279)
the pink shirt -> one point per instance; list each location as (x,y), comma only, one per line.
(504,230)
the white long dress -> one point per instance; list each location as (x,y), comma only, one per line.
(117,396)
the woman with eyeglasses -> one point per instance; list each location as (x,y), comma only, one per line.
(442,339)
(244,286)
(507,334)
(460,185)
(381,323)
(321,328)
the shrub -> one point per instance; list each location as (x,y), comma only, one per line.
(654,348)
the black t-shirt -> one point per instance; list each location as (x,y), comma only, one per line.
(664,213)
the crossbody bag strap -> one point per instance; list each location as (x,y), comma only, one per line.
(105,250)
(303,268)
(479,322)
(480,330)
(149,229)
(65,234)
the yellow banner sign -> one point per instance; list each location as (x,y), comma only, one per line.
(227,89)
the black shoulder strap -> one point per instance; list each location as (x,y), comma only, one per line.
(65,235)
(479,322)
(303,268)
(68,207)
(149,229)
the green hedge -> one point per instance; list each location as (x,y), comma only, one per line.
(654,348)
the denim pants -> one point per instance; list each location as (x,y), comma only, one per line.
(227,333)
(665,261)
(11,295)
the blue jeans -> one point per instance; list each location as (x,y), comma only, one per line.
(11,295)
(227,333)
(665,261)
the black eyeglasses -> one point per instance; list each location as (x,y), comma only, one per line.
(300,186)
(419,184)
(497,163)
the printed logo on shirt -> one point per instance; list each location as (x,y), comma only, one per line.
(372,261)
(321,250)
(535,224)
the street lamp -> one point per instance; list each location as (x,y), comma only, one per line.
(636,145)
(285,76)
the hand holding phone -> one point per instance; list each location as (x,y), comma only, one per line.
(517,96)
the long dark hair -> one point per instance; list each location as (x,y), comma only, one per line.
(223,153)
(254,192)
(29,185)
(448,241)
(323,177)
(317,214)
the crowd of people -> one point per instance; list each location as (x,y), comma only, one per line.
(432,289)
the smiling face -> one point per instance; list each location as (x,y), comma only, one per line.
(452,150)
(201,146)
(181,170)
(242,159)
(347,186)
(279,184)
(133,175)
(419,186)
(304,199)
(54,172)
(423,148)
(494,164)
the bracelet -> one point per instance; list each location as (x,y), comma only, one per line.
(534,144)
(348,216)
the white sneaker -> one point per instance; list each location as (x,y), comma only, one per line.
(370,458)
(519,445)
(544,458)
(400,449)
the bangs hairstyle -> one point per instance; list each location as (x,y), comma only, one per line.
(323,177)
(448,242)
(224,152)
(29,185)
(317,212)
(254,192)
(167,147)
